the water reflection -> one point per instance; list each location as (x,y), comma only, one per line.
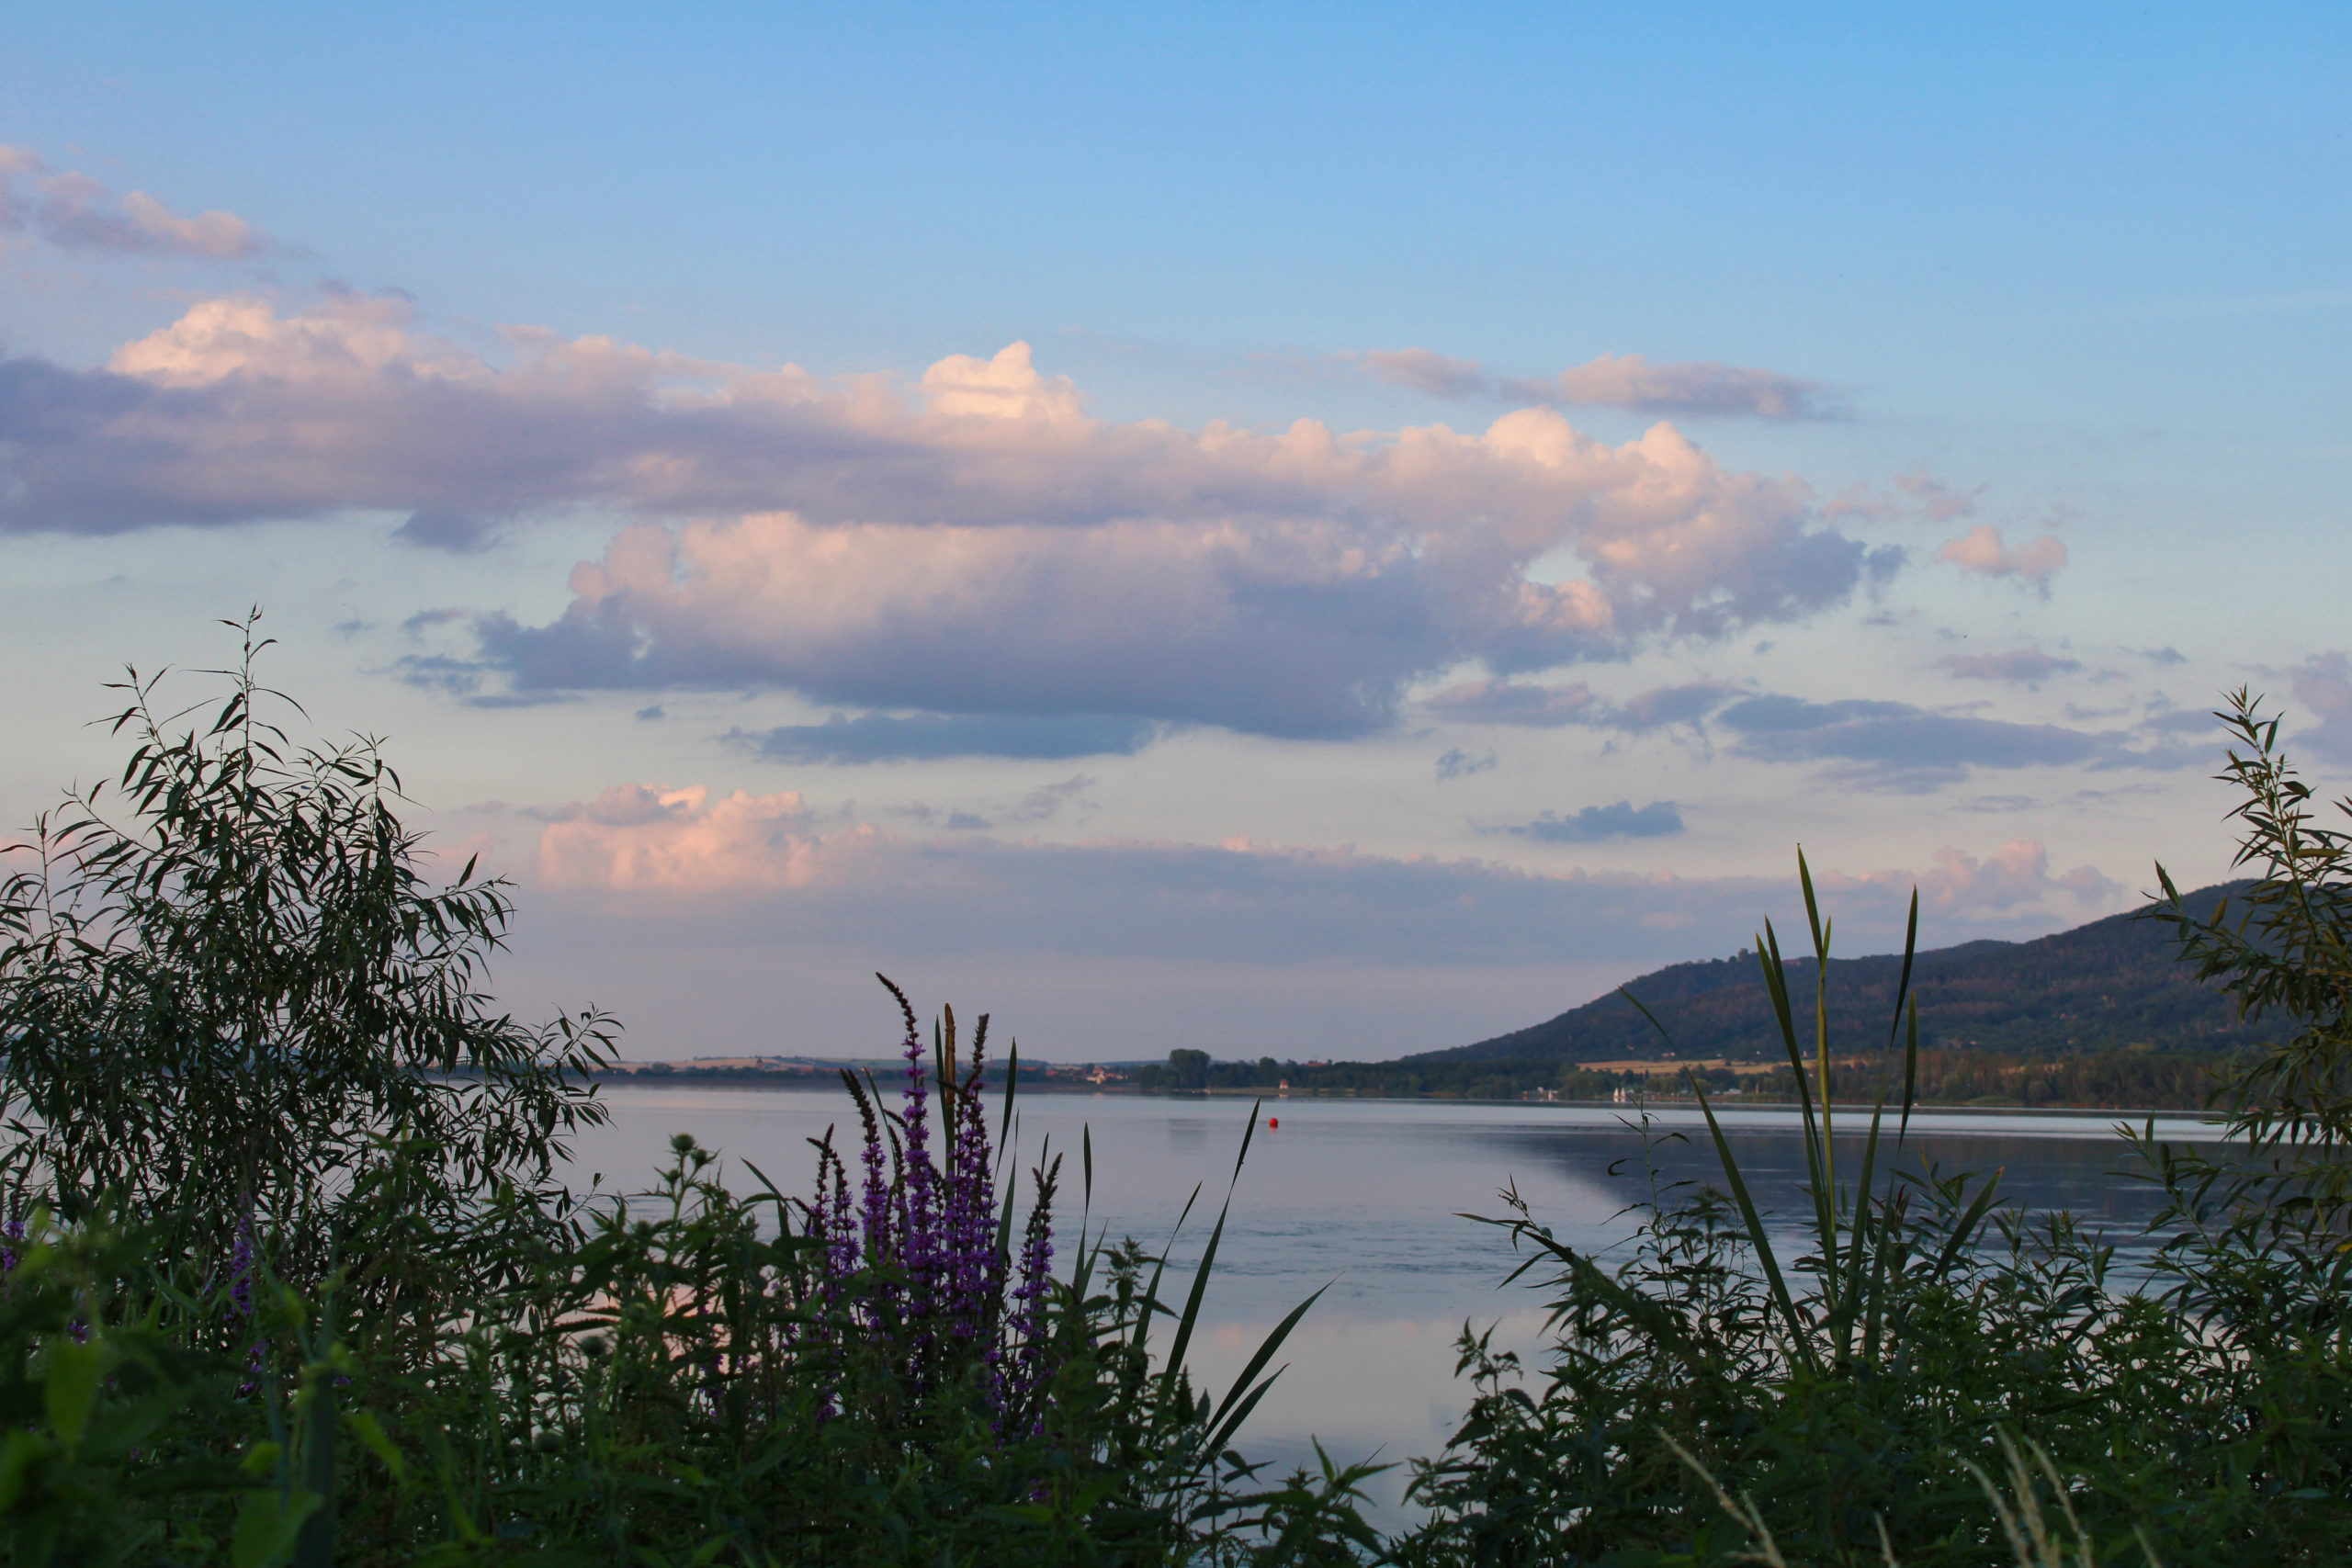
(1364,1196)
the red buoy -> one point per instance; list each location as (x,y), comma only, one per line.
(1272,1121)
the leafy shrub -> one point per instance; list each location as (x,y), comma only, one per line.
(1855,1400)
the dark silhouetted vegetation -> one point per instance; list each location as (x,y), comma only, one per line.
(288,1274)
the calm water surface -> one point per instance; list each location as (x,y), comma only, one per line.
(1363,1196)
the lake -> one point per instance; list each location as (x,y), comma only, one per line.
(1363,1196)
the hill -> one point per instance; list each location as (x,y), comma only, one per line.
(2110,985)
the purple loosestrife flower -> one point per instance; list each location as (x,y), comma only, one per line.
(876,1218)
(243,1258)
(240,1266)
(1026,1369)
(975,1277)
(918,1254)
(13,1234)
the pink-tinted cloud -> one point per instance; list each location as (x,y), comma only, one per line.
(74,212)
(1675,389)
(1685,387)
(974,542)
(668,851)
(1982,550)
(2014,876)
(1425,370)
(644,839)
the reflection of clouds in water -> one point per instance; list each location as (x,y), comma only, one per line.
(1363,1196)
(1366,1388)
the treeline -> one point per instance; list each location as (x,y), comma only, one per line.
(2135,1079)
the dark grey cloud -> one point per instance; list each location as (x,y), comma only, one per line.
(1458,764)
(891,738)
(1595,824)
(1896,746)
(458,533)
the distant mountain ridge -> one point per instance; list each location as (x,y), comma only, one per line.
(2111,984)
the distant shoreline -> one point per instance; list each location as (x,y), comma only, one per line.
(826,1078)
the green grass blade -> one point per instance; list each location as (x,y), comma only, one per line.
(1910,1074)
(1191,1315)
(1755,1222)
(1903,985)
(1229,1417)
(1969,1222)
(1776,982)
(1012,1087)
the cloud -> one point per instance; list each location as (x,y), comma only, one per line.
(886,738)
(2013,876)
(458,533)
(976,542)
(1540,706)
(1896,746)
(1684,389)
(774,865)
(1460,764)
(1595,824)
(643,838)
(1425,371)
(2324,684)
(2020,666)
(74,212)
(1982,550)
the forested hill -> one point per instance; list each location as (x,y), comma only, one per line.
(2110,984)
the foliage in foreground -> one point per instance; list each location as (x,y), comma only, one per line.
(287,1276)
(2189,1402)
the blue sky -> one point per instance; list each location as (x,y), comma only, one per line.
(1477,486)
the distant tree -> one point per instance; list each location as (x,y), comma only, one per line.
(1189,1069)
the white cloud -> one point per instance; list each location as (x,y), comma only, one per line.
(976,542)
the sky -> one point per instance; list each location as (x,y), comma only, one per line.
(1313,532)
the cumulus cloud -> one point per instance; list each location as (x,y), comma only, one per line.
(643,838)
(1675,389)
(74,212)
(2017,666)
(1596,824)
(2016,876)
(1982,550)
(976,542)
(891,738)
